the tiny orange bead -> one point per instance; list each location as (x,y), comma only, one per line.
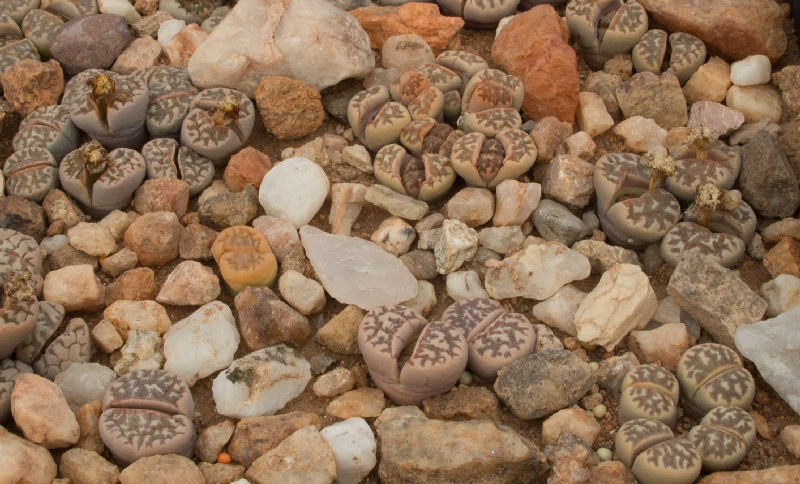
(224,458)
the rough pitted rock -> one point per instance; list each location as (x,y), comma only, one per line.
(89,42)
(659,98)
(155,237)
(767,180)
(228,209)
(255,436)
(30,84)
(22,215)
(422,19)
(265,320)
(189,284)
(159,194)
(162,469)
(83,466)
(787,473)
(246,167)
(304,456)
(24,461)
(42,413)
(289,108)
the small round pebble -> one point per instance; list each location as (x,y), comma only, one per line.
(604,454)
(599,411)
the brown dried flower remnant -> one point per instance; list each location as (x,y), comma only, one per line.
(660,164)
(711,198)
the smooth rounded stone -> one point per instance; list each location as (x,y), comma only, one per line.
(265,320)
(83,466)
(465,285)
(471,205)
(425,300)
(395,235)
(117,222)
(106,337)
(162,469)
(573,420)
(542,383)
(751,71)
(162,194)
(755,102)
(189,284)
(52,244)
(591,114)
(790,436)
(129,315)
(333,383)
(22,215)
(536,272)
(569,180)
(558,311)
(456,245)
(82,383)
(71,346)
(9,371)
(24,461)
(294,190)
(651,392)
(304,456)
(516,202)
(710,82)
(201,344)
(76,288)
(406,52)
(555,222)
(711,375)
(119,262)
(261,383)
(168,29)
(641,134)
(196,241)
(256,436)
(289,108)
(421,263)
(155,237)
(136,284)
(781,294)
(304,294)
(42,413)
(354,448)
(143,350)
(77,47)
(212,440)
(246,167)
(340,334)
(92,238)
(363,402)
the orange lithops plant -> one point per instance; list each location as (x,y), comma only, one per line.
(244,258)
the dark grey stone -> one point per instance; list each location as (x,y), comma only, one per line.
(767,180)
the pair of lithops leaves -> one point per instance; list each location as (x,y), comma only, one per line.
(147,412)
(477,332)
(165,157)
(68,9)
(218,123)
(649,391)
(38,26)
(244,258)
(687,53)
(479,14)
(48,127)
(605,28)
(170,92)
(20,283)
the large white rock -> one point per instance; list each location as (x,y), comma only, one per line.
(623,300)
(558,311)
(353,445)
(201,344)
(294,190)
(357,271)
(309,40)
(261,383)
(781,294)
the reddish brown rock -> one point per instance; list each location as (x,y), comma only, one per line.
(155,237)
(247,167)
(30,84)
(289,108)
(182,46)
(784,258)
(534,47)
(159,194)
(731,28)
(255,436)
(133,285)
(422,19)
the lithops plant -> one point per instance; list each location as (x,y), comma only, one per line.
(109,107)
(194,11)
(38,26)
(485,162)
(449,83)
(101,180)
(9,371)
(219,122)
(171,93)
(687,54)
(723,437)
(479,14)
(72,346)
(649,391)
(427,176)
(464,64)
(16,51)
(711,375)
(490,121)
(165,158)
(17,9)
(20,252)
(495,337)
(50,316)
(48,127)
(654,456)
(70,9)
(605,28)
(375,119)
(437,361)
(9,29)
(215,18)
(492,88)
(429,136)
(726,249)
(700,158)
(31,173)
(244,258)
(147,412)
(19,309)
(633,211)
(648,53)
(417,93)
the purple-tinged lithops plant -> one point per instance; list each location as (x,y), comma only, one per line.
(495,337)
(72,346)
(441,77)
(375,119)
(605,28)
(19,309)
(633,211)
(418,94)
(726,249)
(38,26)
(50,316)
(492,88)
(687,54)
(219,122)
(429,136)
(109,107)
(244,258)
(70,9)
(438,360)
(48,127)
(479,14)
(16,51)
(101,180)
(711,375)
(490,121)
(648,54)
(9,371)
(165,158)
(20,252)
(192,11)
(17,9)
(31,173)
(654,456)
(147,412)
(649,391)
(723,437)
(485,162)
(171,93)
(427,176)
(699,159)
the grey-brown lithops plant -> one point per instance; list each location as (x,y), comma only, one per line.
(219,122)
(17,9)
(38,26)
(50,316)
(723,437)
(147,412)
(19,309)
(648,53)
(605,28)
(9,371)
(101,180)
(70,9)
(30,173)
(492,88)
(700,158)
(171,93)
(417,93)
(429,136)
(479,14)
(447,81)
(166,158)
(485,162)
(490,121)
(464,64)
(649,391)
(711,375)
(109,107)
(48,127)
(726,249)
(426,176)
(375,119)
(192,11)
(687,54)
(72,346)
(437,361)
(495,337)
(15,51)
(20,252)
(9,29)
(654,456)
(633,211)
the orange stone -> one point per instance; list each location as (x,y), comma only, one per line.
(784,258)
(422,19)
(247,167)
(534,47)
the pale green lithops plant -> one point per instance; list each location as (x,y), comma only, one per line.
(702,159)
(605,28)
(375,119)
(17,9)
(654,456)
(649,391)
(30,173)
(723,437)
(491,102)
(479,14)
(38,26)
(15,51)
(48,127)
(171,93)
(219,122)
(711,375)
(450,83)
(9,29)
(70,9)
(485,162)
(166,158)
